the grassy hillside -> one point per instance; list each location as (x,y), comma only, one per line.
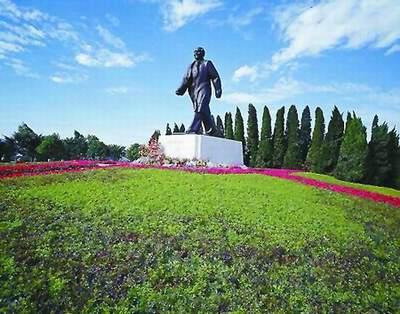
(169,241)
(333,180)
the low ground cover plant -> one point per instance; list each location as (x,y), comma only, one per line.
(150,240)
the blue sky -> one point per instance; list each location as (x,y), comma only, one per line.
(111,68)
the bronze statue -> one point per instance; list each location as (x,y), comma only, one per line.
(197,81)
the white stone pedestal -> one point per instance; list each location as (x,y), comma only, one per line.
(202,147)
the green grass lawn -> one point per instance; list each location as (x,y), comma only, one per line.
(150,241)
(330,179)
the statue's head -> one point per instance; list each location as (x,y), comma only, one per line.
(199,53)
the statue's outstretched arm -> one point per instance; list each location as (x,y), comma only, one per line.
(216,80)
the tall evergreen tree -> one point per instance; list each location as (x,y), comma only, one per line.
(313,161)
(352,161)
(265,149)
(239,132)
(176,128)
(168,130)
(348,120)
(394,154)
(332,142)
(305,133)
(220,126)
(228,126)
(252,135)
(292,159)
(279,141)
(379,161)
(182,128)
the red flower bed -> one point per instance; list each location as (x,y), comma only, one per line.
(30,169)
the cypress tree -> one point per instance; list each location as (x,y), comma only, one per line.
(314,153)
(182,128)
(264,156)
(239,132)
(220,126)
(305,133)
(252,135)
(168,130)
(279,142)
(332,142)
(292,159)
(228,126)
(379,163)
(348,119)
(352,161)
(176,128)
(394,153)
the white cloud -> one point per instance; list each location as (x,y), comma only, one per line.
(284,88)
(106,58)
(393,49)
(117,90)
(238,21)
(67,78)
(109,38)
(177,13)
(20,68)
(246,71)
(10,10)
(368,98)
(113,20)
(346,24)
(23,28)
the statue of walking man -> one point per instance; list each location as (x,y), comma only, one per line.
(197,81)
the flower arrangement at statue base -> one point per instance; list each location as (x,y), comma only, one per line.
(151,153)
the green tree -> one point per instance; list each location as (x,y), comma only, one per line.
(8,149)
(115,152)
(265,149)
(379,160)
(292,159)
(96,148)
(51,148)
(132,153)
(332,142)
(182,128)
(239,132)
(313,160)
(252,135)
(352,161)
(229,126)
(305,134)
(26,141)
(176,128)
(168,130)
(279,141)
(220,126)
(75,147)
(348,120)
(394,154)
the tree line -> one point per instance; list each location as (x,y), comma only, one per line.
(342,150)
(26,145)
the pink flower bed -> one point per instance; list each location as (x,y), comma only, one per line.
(30,169)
